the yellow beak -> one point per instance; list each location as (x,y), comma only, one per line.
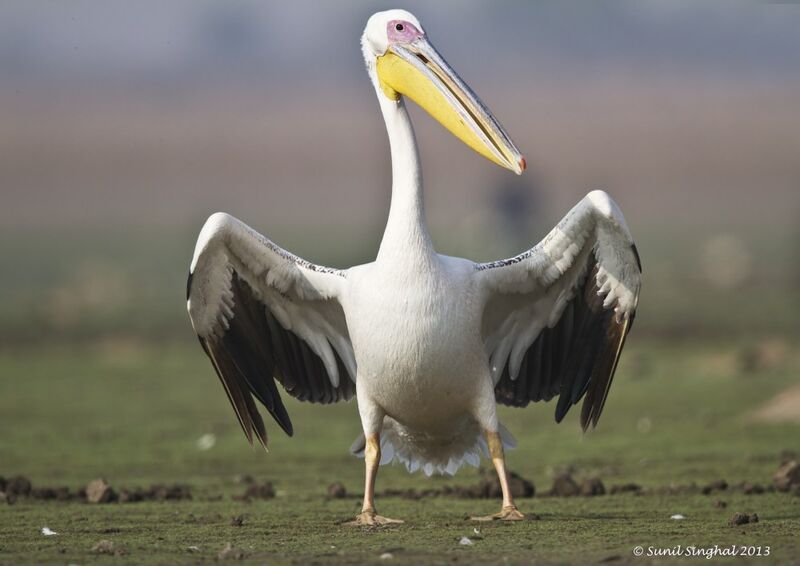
(417,71)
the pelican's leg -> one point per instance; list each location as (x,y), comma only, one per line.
(496,452)
(372,458)
(372,422)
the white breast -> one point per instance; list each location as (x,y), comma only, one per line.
(416,341)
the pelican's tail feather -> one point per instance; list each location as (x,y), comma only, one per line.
(433,454)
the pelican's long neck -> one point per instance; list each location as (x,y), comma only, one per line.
(406,235)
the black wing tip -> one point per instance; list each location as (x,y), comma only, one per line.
(287,426)
(262,437)
(563,407)
(283,420)
(589,417)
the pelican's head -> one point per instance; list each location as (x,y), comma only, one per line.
(402,61)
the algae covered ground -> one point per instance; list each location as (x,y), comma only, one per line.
(680,417)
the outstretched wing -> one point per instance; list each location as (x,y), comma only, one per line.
(556,316)
(263,314)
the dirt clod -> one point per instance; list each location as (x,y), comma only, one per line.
(626,488)
(719,504)
(58,493)
(787,476)
(749,488)
(156,492)
(565,486)
(257,491)
(230,553)
(743,519)
(107,547)
(718,485)
(175,492)
(489,486)
(18,485)
(520,487)
(237,521)
(130,496)
(337,490)
(98,491)
(592,486)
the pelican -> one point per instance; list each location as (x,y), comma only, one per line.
(428,344)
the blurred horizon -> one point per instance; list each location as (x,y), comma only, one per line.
(116,40)
(127,124)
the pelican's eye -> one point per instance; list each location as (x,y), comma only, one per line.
(401,31)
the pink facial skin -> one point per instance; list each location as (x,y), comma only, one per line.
(406,33)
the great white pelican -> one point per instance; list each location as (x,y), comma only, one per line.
(428,344)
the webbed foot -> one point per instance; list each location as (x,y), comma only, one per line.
(509,513)
(370,518)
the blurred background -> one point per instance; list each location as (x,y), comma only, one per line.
(124,125)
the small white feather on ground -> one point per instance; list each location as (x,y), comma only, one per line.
(206,442)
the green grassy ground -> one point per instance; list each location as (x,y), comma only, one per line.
(132,414)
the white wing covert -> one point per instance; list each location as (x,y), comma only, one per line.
(263,314)
(556,316)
